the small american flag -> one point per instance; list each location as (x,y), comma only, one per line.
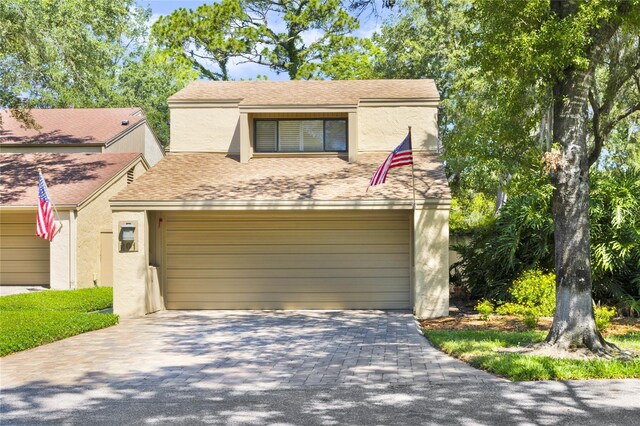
(45,225)
(401,156)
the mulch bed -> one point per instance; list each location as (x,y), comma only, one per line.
(466,321)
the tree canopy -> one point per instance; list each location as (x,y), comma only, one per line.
(302,38)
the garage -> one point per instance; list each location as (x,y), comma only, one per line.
(287,260)
(24,258)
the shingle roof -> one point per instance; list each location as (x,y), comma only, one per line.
(217,177)
(69,125)
(307,92)
(71,178)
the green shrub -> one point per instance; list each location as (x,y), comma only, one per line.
(535,291)
(603,316)
(484,308)
(84,300)
(530,318)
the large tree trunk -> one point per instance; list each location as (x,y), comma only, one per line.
(573,322)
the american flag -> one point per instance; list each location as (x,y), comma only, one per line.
(45,226)
(401,156)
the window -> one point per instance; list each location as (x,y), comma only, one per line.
(329,135)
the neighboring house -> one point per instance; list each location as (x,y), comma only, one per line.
(80,185)
(262,202)
(82,130)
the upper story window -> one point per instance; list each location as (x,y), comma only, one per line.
(286,135)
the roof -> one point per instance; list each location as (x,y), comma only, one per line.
(71,178)
(307,92)
(217,177)
(69,125)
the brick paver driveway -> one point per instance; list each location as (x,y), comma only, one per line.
(206,349)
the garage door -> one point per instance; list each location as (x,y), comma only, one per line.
(287,260)
(24,258)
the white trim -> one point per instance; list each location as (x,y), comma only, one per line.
(73,249)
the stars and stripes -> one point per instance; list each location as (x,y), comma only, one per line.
(401,156)
(45,225)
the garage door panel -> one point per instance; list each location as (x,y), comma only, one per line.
(296,261)
(285,260)
(267,285)
(288,305)
(286,248)
(331,225)
(185,275)
(235,237)
(287,297)
(24,258)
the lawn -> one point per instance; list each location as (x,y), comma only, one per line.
(477,347)
(33,319)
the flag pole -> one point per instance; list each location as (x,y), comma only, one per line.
(53,205)
(413,175)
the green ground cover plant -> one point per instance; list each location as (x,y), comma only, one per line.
(478,348)
(33,319)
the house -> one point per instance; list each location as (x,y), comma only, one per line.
(262,202)
(81,130)
(80,185)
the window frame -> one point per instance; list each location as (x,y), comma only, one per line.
(324,135)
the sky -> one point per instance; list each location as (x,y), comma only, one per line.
(368,25)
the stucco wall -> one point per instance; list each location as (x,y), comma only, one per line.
(382,128)
(130,269)
(94,218)
(431,262)
(140,140)
(205,129)
(62,262)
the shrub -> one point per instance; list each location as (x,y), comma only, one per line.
(484,308)
(603,316)
(534,291)
(530,318)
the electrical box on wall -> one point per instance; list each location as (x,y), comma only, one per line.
(128,236)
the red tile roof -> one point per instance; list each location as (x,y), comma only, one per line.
(217,177)
(71,178)
(307,92)
(69,125)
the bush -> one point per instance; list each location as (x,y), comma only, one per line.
(534,291)
(484,308)
(530,318)
(603,316)
(521,238)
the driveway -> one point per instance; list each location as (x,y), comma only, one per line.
(305,367)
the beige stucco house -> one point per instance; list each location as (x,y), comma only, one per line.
(86,156)
(262,202)
(80,185)
(81,130)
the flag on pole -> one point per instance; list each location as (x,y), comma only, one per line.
(45,225)
(401,156)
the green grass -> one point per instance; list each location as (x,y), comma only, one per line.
(477,348)
(33,319)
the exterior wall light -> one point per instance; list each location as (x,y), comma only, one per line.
(128,236)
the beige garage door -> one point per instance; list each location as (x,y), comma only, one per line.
(287,260)
(24,258)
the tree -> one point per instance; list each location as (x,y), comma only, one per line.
(529,77)
(71,53)
(554,50)
(60,53)
(302,38)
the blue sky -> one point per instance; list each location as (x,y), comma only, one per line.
(368,26)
